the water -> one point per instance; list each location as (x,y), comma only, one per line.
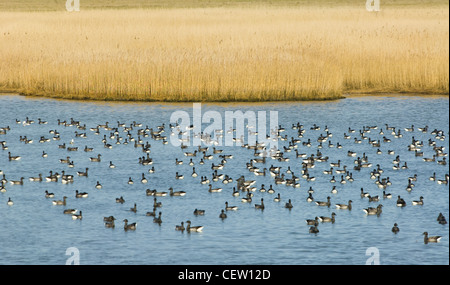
(36,232)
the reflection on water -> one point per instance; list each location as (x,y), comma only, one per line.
(36,232)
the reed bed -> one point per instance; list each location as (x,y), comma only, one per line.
(225,54)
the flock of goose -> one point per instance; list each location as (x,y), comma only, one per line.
(134,135)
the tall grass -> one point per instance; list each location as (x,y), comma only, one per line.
(224,54)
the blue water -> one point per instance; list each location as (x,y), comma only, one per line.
(33,231)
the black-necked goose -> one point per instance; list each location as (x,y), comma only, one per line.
(13,158)
(77,216)
(179,176)
(81,173)
(199,212)
(112,165)
(96,159)
(130,181)
(419,202)
(158,219)
(386,195)
(120,200)
(98,185)
(247,199)
(364,194)
(176,193)
(345,206)
(17,182)
(70,211)
(373,198)
(373,211)
(129,227)
(321,203)
(395,229)
(428,239)
(10,202)
(38,178)
(212,190)
(260,206)
(49,195)
(193,229)
(313,230)
(277,199)
(313,222)
(180,227)
(400,202)
(81,194)
(310,198)
(223,215)
(230,208)
(289,205)
(328,219)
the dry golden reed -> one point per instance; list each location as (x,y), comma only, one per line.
(225,54)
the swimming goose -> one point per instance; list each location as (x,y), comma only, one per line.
(374,198)
(81,173)
(129,227)
(310,198)
(17,182)
(156,204)
(199,212)
(180,227)
(400,202)
(419,202)
(320,203)
(288,205)
(395,228)
(98,185)
(230,208)
(69,211)
(214,189)
(176,193)
(88,149)
(247,199)
(12,158)
(364,194)
(193,229)
(143,180)
(314,222)
(428,239)
(158,219)
(313,230)
(81,194)
(345,206)
(277,199)
(373,211)
(10,202)
(328,219)
(120,200)
(223,215)
(96,159)
(387,195)
(39,178)
(49,195)
(111,165)
(260,206)
(77,216)
(179,176)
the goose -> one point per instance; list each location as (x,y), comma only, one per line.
(387,195)
(180,227)
(143,180)
(373,199)
(230,208)
(130,181)
(156,204)
(129,227)
(277,199)
(44,154)
(110,224)
(345,206)
(400,202)
(176,193)
(77,216)
(247,199)
(395,228)
(69,211)
(194,174)
(158,219)
(212,190)
(151,170)
(134,209)
(313,222)
(98,185)
(152,213)
(260,206)
(81,173)
(96,159)
(120,200)
(429,159)
(179,176)
(49,195)
(13,158)
(10,202)
(288,205)
(81,194)
(271,190)
(111,165)
(193,229)
(88,149)
(428,239)
(17,182)
(328,219)
(364,194)
(199,212)
(223,215)
(39,178)
(309,198)
(313,230)
(320,203)
(235,192)
(373,211)
(441,219)
(109,219)
(419,202)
